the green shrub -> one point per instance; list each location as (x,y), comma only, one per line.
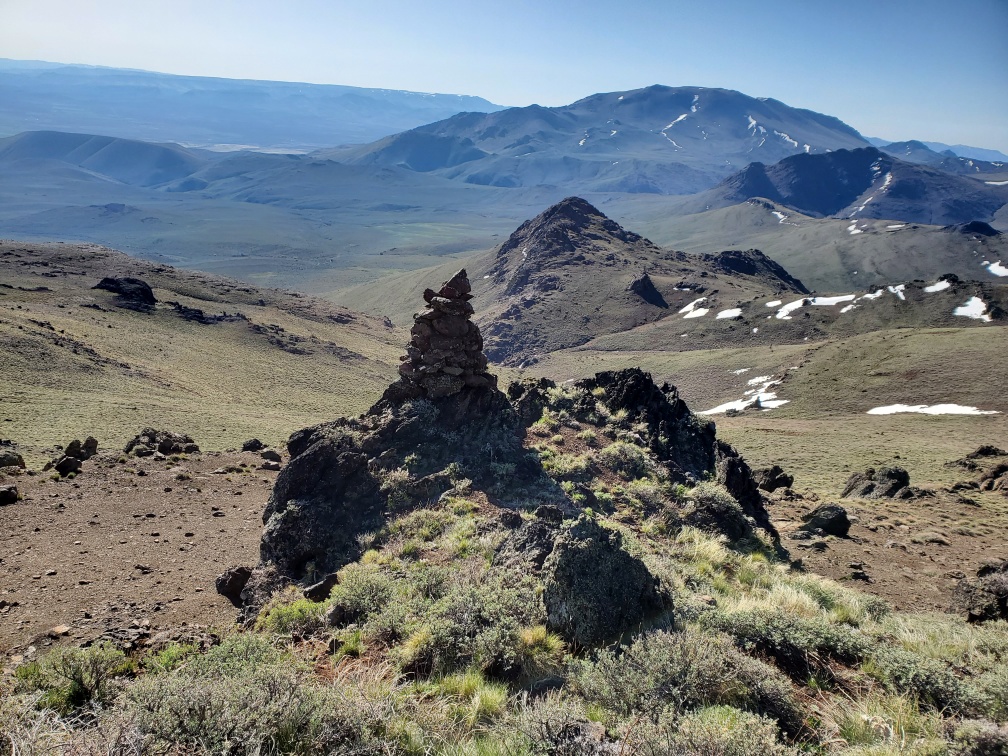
(272,708)
(70,678)
(684,671)
(363,590)
(930,681)
(990,691)
(800,646)
(169,657)
(713,731)
(626,460)
(300,618)
(540,653)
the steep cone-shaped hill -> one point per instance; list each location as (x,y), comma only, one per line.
(419,448)
(571,274)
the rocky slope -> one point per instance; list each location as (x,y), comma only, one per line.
(425,442)
(571,274)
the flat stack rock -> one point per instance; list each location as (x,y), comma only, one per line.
(445,353)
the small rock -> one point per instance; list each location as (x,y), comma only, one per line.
(253,445)
(231,582)
(271,455)
(320,591)
(8,494)
(60,630)
(769,479)
(270,465)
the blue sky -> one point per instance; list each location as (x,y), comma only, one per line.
(897,69)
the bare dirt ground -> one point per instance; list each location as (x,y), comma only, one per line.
(128,547)
(913,553)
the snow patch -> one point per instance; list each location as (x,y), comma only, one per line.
(894,226)
(775,303)
(784,313)
(998,269)
(940,286)
(848,308)
(934,409)
(898,290)
(808,148)
(697,313)
(973,308)
(996,183)
(830,301)
(786,138)
(741,370)
(766,399)
(875,295)
(691,305)
(755,330)
(852,229)
(732,313)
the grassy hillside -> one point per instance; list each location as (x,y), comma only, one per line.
(77,364)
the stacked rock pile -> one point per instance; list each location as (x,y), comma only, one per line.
(445,353)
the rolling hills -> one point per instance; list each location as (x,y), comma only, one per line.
(211,112)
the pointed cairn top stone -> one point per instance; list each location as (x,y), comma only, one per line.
(445,353)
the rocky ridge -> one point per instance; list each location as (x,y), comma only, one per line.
(436,437)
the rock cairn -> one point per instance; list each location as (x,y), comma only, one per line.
(445,353)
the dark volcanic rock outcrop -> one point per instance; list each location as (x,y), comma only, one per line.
(418,443)
(150,440)
(871,484)
(986,597)
(593,589)
(9,456)
(133,293)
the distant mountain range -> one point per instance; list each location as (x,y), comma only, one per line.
(960,150)
(209,112)
(674,161)
(663,140)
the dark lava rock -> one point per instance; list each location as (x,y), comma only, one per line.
(320,591)
(528,546)
(231,582)
(985,598)
(831,519)
(9,457)
(253,445)
(510,519)
(150,440)
(66,465)
(8,495)
(644,288)
(883,484)
(769,479)
(271,455)
(594,590)
(270,465)
(973,228)
(134,294)
(82,451)
(338,482)
(550,514)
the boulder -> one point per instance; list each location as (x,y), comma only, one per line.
(66,465)
(8,494)
(871,484)
(527,547)
(231,582)
(769,479)
(271,455)
(985,598)
(133,293)
(150,440)
(9,457)
(831,519)
(593,589)
(253,445)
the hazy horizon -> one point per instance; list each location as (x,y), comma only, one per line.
(892,71)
